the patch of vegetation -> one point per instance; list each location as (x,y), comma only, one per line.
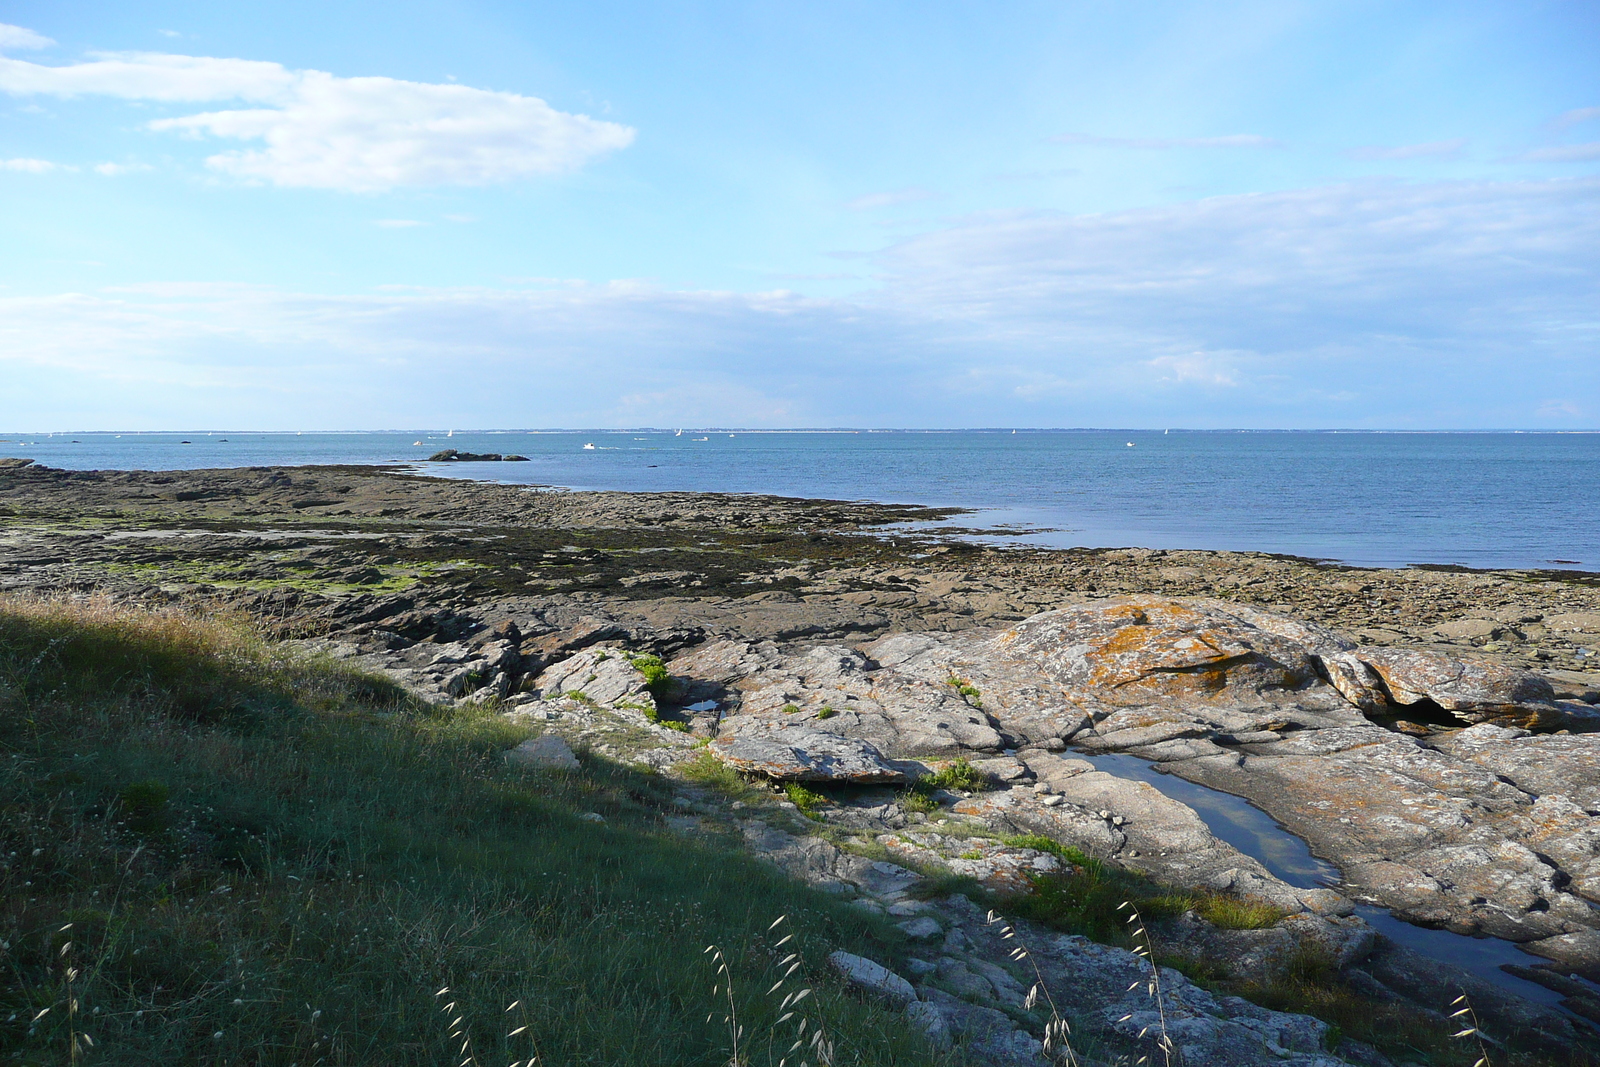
(1089,902)
(827,712)
(672,724)
(226,854)
(957,774)
(706,769)
(917,800)
(807,800)
(966,690)
(657,679)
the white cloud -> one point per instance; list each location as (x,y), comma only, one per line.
(1431,150)
(1575,116)
(872,201)
(1232,140)
(111,170)
(153,76)
(30,166)
(323,131)
(1569,153)
(16,37)
(1451,304)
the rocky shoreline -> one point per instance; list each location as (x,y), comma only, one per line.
(1427,730)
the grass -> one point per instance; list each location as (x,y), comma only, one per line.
(657,679)
(807,800)
(222,854)
(966,690)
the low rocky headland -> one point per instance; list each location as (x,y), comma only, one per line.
(933,721)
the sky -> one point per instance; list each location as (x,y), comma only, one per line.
(498,214)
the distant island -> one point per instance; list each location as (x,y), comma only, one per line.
(450,455)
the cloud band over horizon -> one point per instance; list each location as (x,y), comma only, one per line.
(1346,306)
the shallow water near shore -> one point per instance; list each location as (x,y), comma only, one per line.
(1503,500)
(1259,836)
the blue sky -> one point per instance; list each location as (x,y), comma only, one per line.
(363,215)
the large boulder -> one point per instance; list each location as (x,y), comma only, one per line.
(797,754)
(1474,690)
(1135,650)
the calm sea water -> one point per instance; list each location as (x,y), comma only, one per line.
(1376,499)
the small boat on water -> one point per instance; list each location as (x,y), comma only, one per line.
(588,448)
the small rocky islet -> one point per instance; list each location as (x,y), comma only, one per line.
(1432,732)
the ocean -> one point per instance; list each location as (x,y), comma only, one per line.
(1503,500)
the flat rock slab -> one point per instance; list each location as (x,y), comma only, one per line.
(872,978)
(547,752)
(801,755)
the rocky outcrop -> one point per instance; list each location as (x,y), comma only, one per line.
(1475,831)
(1141,649)
(797,754)
(450,455)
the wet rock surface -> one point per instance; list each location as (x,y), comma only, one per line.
(1425,730)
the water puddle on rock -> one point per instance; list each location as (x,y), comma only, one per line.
(1259,836)
(1232,819)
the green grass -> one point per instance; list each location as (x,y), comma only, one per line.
(957,774)
(245,858)
(657,679)
(967,691)
(1089,902)
(807,800)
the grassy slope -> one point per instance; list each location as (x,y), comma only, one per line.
(270,861)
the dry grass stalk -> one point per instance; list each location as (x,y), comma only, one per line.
(818,1044)
(1057,1032)
(1144,947)
(810,1038)
(1464,1011)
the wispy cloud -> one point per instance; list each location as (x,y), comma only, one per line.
(111,170)
(1369,304)
(873,201)
(31,166)
(323,131)
(1232,140)
(1048,174)
(1451,149)
(1567,153)
(1578,114)
(16,38)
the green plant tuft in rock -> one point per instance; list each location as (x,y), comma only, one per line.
(657,679)
(807,800)
(966,690)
